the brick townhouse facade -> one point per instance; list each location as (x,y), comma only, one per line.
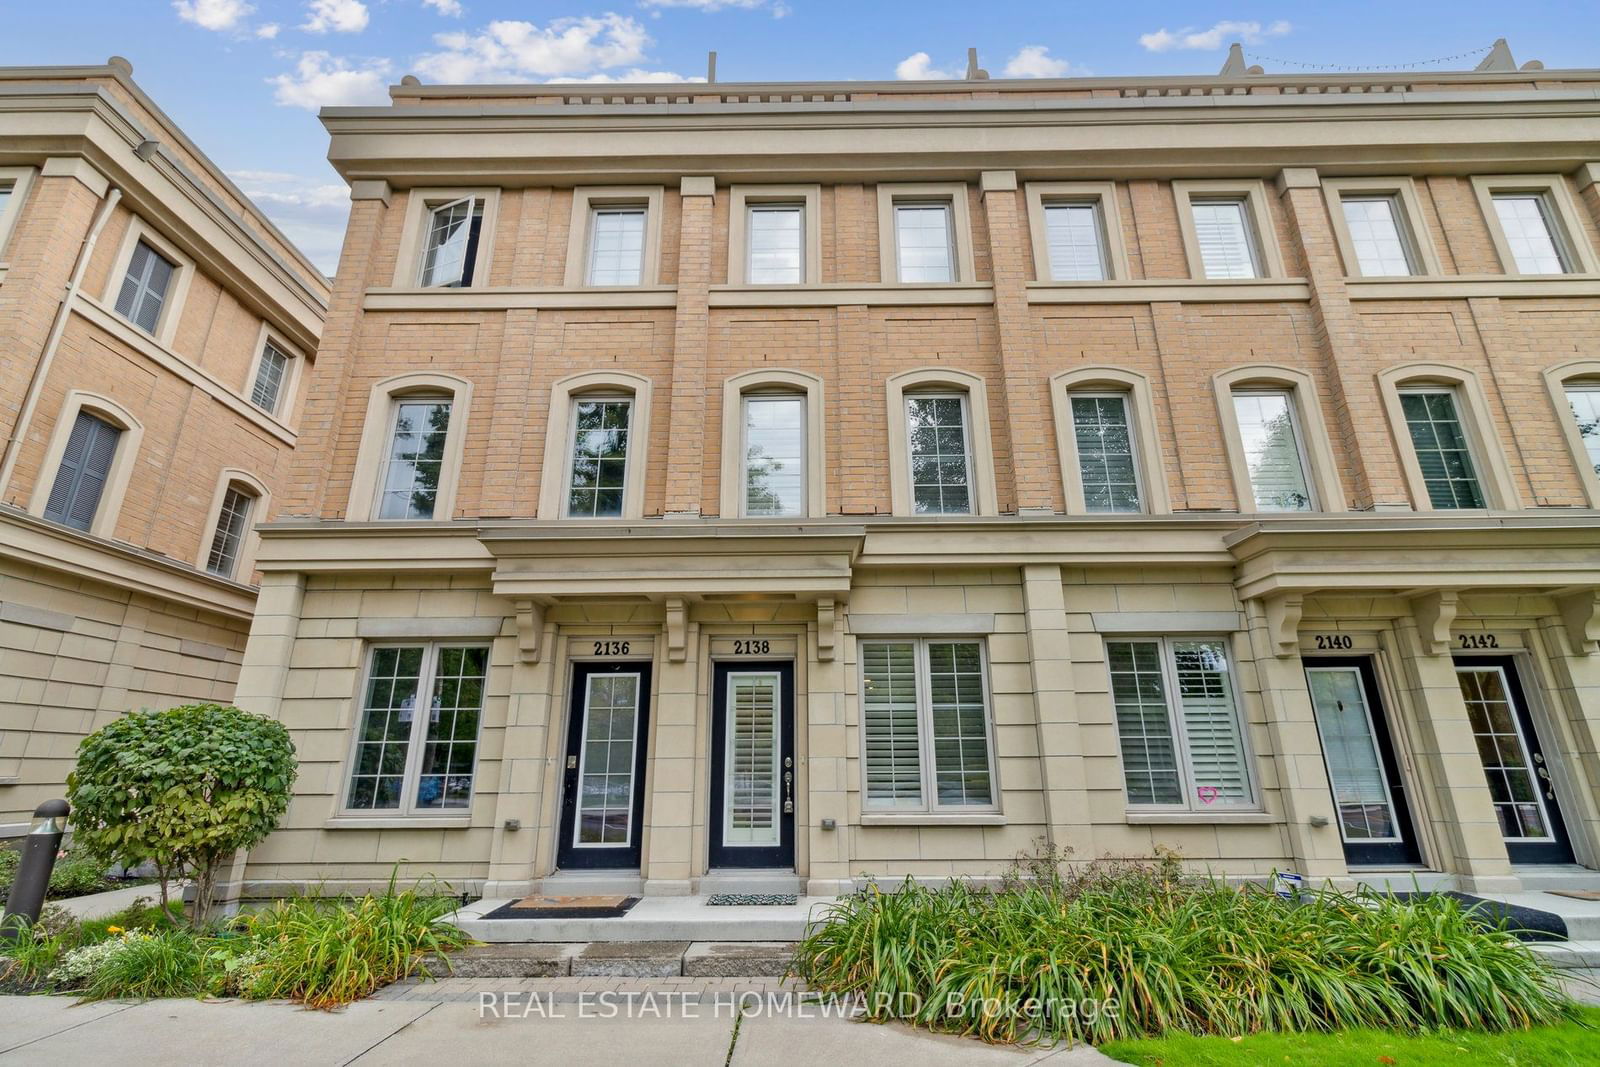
(154,333)
(762,485)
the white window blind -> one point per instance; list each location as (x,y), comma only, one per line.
(889,713)
(926,725)
(924,242)
(232,522)
(752,788)
(410,485)
(1525,219)
(1585,403)
(81,478)
(1273,454)
(451,245)
(144,287)
(1106,461)
(1441,447)
(774,455)
(616,245)
(1075,234)
(776,233)
(1227,245)
(270,373)
(1381,248)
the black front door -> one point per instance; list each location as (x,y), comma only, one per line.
(602,798)
(752,765)
(1369,793)
(1514,762)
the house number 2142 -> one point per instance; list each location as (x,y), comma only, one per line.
(1478,641)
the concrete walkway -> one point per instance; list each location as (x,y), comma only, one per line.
(54,1030)
(99,905)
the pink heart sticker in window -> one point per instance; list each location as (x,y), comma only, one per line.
(1208,793)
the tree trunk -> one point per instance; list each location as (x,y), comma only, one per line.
(205,883)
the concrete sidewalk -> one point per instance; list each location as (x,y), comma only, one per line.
(55,1030)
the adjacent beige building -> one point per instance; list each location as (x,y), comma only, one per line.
(155,334)
(777,485)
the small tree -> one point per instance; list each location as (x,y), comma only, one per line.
(183,789)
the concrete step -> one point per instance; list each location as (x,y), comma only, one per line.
(619,959)
(1557,876)
(591,884)
(652,919)
(750,881)
(1568,955)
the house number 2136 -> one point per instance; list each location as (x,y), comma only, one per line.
(611,648)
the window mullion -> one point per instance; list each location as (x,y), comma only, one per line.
(925,726)
(1180,728)
(419,719)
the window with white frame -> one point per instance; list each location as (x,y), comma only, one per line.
(450,246)
(272,371)
(1377,235)
(416,745)
(1528,223)
(774,461)
(1274,451)
(925,725)
(1443,451)
(1585,402)
(616,244)
(1075,234)
(1107,464)
(925,247)
(1225,237)
(413,463)
(85,467)
(6,189)
(1178,721)
(233,522)
(777,237)
(598,472)
(144,287)
(941,453)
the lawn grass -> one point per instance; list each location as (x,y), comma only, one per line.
(1568,1044)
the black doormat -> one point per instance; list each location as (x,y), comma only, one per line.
(765,900)
(609,907)
(1525,924)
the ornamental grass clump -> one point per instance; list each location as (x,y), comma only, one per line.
(1129,951)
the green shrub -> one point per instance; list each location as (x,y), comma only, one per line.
(165,963)
(184,789)
(76,873)
(1041,959)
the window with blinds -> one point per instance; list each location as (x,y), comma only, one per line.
(776,233)
(774,455)
(410,484)
(926,726)
(925,247)
(616,245)
(1178,724)
(85,467)
(144,287)
(752,788)
(1380,245)
(1225,237)
(271,371)
(450,247)
(1526,220)
(1274,455)
(1585,402)
(1107,466)
(1443,453)
(1075,235)
(232,522)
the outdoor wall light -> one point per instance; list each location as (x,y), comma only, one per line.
(1318,821)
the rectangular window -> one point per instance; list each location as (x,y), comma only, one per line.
(1181,735)
(81,478)
(941,460)
(1442,450)
(924,241)
(232,522)
(450,250)
(616,245)
(926,725)
(1529,228)
(1227,242)
(777,234)
(410,484)
(1273,454)
(1107,465)
(1076,236)
(5,196)
(270,374)
(599,457)
(774,455)
(144,288)
(410,758)
(1380,245)
(1585,403)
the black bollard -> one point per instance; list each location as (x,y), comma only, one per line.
(33,874)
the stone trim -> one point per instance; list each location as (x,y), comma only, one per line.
(1556,379)
(378,425)
(1042,194)
(1254,193)
(1570,234)
(419,202)
(122,463)
(1412,222)
(740,197)
(244,563)
(1302,389)
(558,439)
(1142,415)
(177,291)
(960,223)
(584,199)
(21,179)
(793,382)
(1500,492)
(979,438)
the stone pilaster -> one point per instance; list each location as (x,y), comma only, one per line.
(1061,765)
(526,794)
(673,772)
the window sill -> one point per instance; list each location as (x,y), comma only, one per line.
(1187,290)
(1435,286)
(845,294)
(1201,818)
(924,818)
(502,298)
(398,822)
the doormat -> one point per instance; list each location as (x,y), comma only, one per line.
(543,907)
(1525,924)
(1575,894)
(764,900)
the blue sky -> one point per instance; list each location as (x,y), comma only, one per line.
(244,77)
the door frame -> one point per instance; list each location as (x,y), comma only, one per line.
(1558,849)
(782,855)
(568,855)
(1396,785)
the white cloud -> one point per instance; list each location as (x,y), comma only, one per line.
(448,8)
(1164,40)
(311,212)
(1035,61)
(917,67)
(213,14)
(323,80)
(511,50)
(335,16)
(709,5)
(267,31)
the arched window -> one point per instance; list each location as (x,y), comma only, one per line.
(87,464)
(239,504)
(1106,436)
(409,462)
(1277,443)
(595,446)
(941,456)
(1449,451)
(1575,391)
(772,450)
